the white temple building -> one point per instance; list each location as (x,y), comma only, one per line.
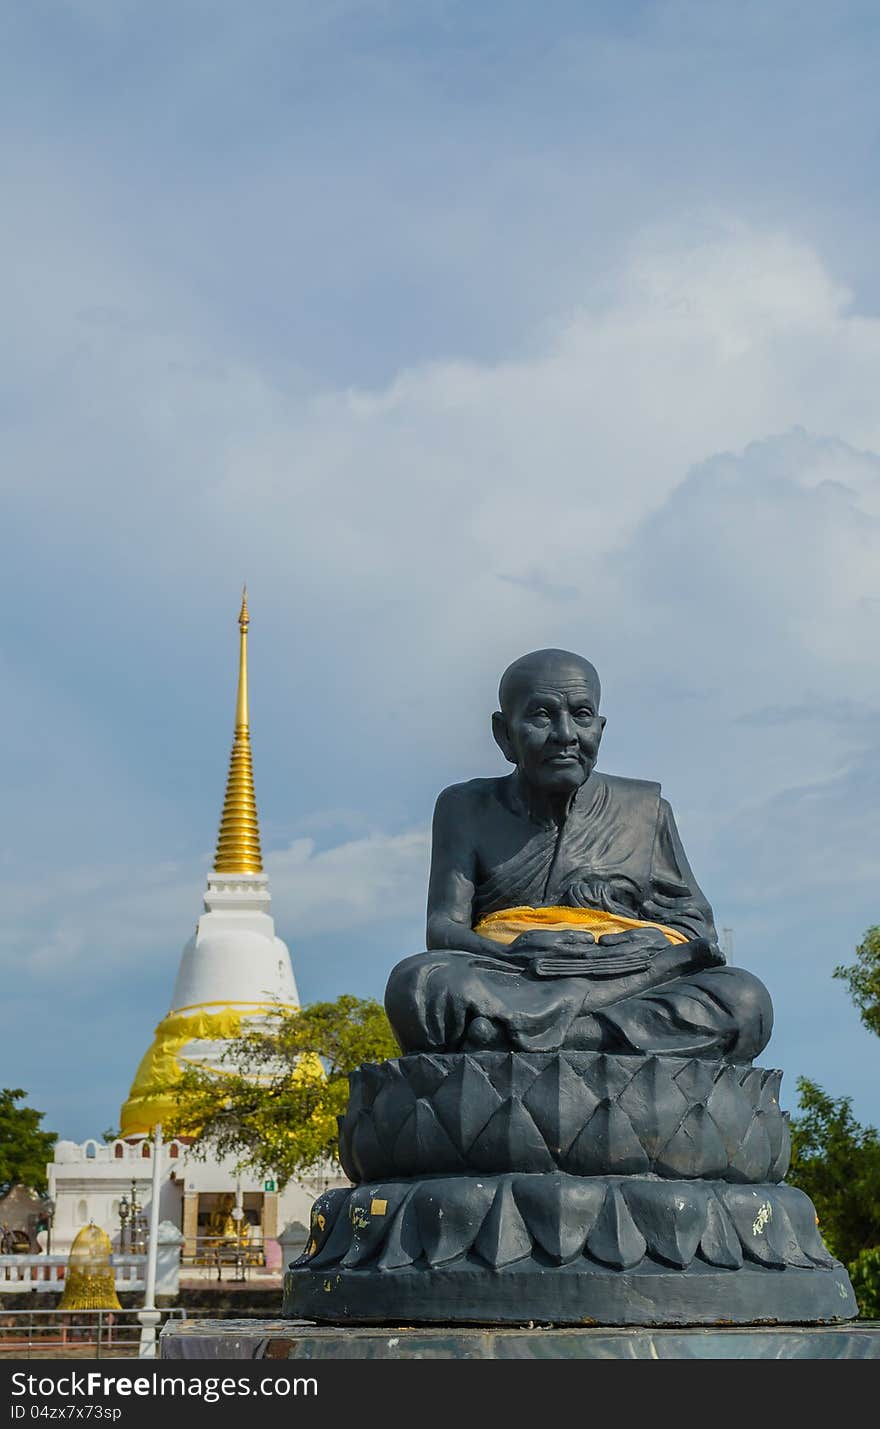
(232,971)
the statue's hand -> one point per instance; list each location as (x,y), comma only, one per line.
(562,942)
(573,952)
(566,947)
(645,940)
(650,943)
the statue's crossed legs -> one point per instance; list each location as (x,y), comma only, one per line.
(444,1001)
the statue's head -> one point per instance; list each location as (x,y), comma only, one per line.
(549,724)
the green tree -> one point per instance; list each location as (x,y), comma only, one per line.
(865,1275)
(862,979)
(837,1162)
(24,1148)
(835,1159)
(273,1103)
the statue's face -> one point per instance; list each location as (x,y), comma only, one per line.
(552,727)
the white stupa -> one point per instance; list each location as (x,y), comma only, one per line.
(234,969)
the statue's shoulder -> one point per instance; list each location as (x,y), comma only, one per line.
(617,784)
(472,795)
(637,794)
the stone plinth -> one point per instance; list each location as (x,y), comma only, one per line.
(299,1340)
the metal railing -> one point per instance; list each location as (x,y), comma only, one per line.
(72,1334)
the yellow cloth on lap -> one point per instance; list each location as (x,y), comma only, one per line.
(507,924)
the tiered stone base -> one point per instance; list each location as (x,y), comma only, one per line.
(588,1113)
(565,1188)
(567,1250)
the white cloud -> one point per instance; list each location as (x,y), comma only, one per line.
(366,882)
(89,927)
(81,923)
(400,523)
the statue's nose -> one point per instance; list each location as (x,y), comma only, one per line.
(564,728)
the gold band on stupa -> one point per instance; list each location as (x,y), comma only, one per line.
(238,843)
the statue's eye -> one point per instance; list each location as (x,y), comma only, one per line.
(583,713)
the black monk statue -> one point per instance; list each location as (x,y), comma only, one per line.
(562,911)
(575,1131)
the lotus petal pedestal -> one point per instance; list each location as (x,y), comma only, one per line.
(566,1188)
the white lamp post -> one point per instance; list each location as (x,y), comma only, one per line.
(149,1316)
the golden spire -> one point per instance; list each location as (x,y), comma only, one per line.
(238,844)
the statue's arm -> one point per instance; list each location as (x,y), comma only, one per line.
(676,898)
(453,873)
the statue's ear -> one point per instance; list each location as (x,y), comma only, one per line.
(502,736)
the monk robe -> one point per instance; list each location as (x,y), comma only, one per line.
(617,863)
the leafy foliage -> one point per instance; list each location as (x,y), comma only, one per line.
(863,979)
(274,1102)
(864,1273)
(837,1162)
(24,1147)
(835,1159)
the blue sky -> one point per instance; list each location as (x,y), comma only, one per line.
(455,330)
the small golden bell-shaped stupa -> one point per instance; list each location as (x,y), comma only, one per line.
(89,1282)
